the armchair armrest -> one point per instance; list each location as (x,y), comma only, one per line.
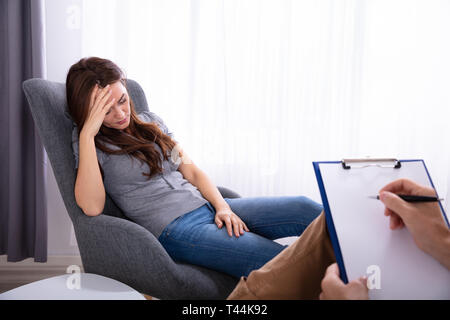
(125,251)
(228,193)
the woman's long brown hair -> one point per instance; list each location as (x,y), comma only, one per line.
(80,82)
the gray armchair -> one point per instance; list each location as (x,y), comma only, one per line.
(110,244)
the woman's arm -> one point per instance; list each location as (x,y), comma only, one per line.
(89,189)
(224,214)
(198,178)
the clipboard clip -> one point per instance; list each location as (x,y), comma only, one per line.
(368,162)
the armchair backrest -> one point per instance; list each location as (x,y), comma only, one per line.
(48,104)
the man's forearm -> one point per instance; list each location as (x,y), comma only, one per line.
(442,253)
(209,190)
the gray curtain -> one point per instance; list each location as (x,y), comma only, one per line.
(23,207)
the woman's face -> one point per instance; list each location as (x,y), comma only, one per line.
(118,116)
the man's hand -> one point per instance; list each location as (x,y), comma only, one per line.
(231,220)
(334,289)
(424,220)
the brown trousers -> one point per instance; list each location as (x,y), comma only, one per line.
(295,273)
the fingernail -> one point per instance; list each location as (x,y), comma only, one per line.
(383,195)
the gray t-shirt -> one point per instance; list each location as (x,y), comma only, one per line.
(152,203)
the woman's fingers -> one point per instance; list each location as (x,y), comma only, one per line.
(236,227)
(218,222)
(229,226)
(233,224)
(93,96)
(104,99)
(108,105)
(242,227)
(102,94)
(239,226)
(98,93)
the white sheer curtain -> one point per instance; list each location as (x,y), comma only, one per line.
(256,90)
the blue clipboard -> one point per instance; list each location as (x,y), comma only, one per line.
(328,216)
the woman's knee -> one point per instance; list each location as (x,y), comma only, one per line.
(308,204)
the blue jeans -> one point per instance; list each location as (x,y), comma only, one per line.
(194,237)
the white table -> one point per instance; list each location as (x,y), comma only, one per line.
(75,286)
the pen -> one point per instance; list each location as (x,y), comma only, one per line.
(411,198)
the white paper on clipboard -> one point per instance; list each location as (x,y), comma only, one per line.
(365,239)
